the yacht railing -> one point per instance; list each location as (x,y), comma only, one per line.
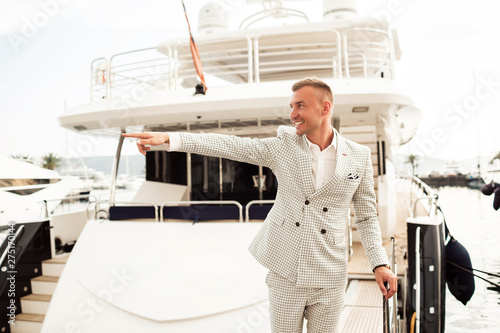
(423,193)
(203,202)
(229,59)
(45,207)
(368,53)
(253,202)
(280,55)
(355,52)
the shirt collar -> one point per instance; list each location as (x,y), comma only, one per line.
(333,143)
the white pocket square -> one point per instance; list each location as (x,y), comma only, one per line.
(353,175)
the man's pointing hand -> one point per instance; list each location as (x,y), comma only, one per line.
(148,139)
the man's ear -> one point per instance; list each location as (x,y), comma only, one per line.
(326,106)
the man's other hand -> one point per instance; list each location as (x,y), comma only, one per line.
(384,274)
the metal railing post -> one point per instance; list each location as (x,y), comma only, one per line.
(391,325)
(417,280)
(339,52)
(114,174)
(431,198)
(395,323)
(253,202)
(250,60)
(108,79)
(256,59)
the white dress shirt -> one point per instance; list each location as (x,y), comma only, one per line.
(323,161)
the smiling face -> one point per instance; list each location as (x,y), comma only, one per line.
(310,112)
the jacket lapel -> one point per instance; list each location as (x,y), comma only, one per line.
(305,165)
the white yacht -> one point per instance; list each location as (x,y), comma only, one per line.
(175,258)
(28,191)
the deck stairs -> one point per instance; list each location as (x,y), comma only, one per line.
(35,305)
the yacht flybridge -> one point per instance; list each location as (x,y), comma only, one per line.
(144,267)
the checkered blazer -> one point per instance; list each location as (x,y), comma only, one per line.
(302,238)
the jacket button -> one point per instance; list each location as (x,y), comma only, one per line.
(297,224)
(325,209)
(307,202)
(323,231)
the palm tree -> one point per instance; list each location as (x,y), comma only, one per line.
(413,160)
(51,161)
(23,158)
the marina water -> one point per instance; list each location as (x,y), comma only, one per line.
(474,223)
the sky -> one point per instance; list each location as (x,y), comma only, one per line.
(449,66)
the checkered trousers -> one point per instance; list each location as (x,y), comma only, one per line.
(290,304)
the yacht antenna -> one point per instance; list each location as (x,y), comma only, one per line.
(200,88)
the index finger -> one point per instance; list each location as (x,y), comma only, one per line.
(137,135)
(394,284)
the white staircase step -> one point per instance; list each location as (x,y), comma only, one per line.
(27,323)
(54,266)
(35,303)
(44,284)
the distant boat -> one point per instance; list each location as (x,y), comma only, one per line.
(452,169)
(24,187)
(475,182)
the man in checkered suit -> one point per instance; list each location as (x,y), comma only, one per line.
(302,241)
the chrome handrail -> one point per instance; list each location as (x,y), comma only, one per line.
(426,189)
(417,280)
(432,198)
(11,243)
(206,202)
(45,201)
(253,202)
(395,297)
(388,328)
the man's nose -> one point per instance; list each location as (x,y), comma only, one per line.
(293,113)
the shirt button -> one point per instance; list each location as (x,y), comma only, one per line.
(307,202)
(297,224)
(325,209)
(323,231)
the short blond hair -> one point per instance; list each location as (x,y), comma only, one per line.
(315,83)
